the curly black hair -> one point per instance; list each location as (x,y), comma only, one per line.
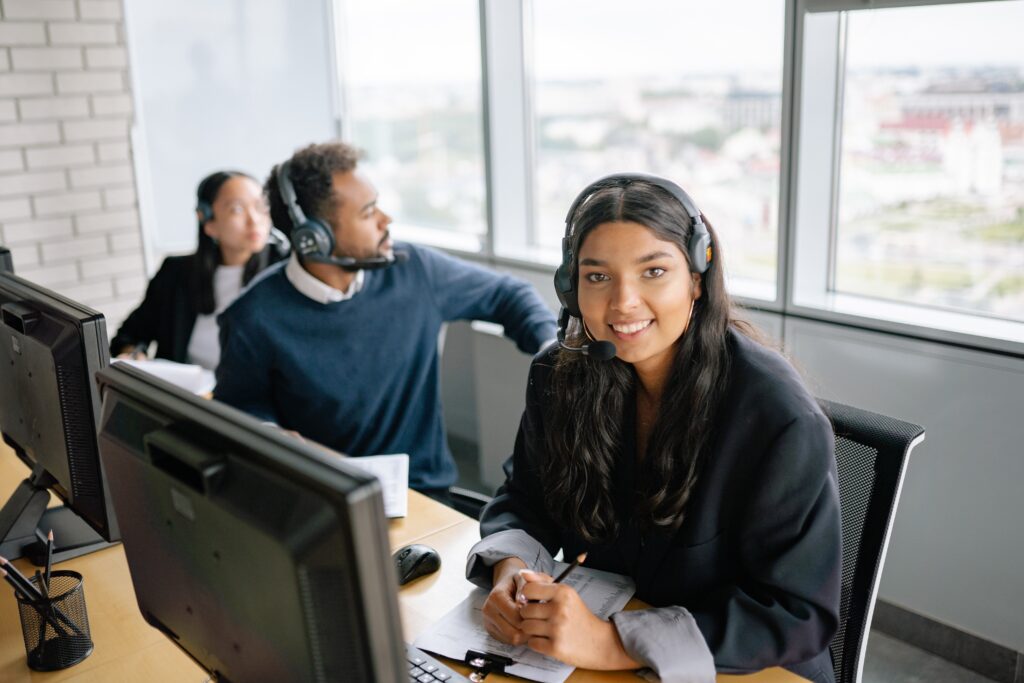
(311,171)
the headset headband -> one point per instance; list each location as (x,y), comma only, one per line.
(623,179)
(291,200)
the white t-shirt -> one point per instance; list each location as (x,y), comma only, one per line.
(204,346)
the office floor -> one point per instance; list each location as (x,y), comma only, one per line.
(888,660)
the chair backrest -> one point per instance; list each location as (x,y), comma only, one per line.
(871,455)
(468,502)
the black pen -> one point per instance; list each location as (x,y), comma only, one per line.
(32,600)
(49,560)
(580,559)
(35,598)
(18,588)
(17,577)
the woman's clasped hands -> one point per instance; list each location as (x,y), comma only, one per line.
(528,608)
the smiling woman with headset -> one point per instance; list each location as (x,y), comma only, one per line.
(662,439)
(184,297)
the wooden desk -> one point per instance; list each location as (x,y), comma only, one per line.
(128,649)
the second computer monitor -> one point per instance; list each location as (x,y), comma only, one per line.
(50,348)
(262,557)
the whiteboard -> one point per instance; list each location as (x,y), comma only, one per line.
(229,84)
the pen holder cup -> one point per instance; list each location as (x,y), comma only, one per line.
(56,629)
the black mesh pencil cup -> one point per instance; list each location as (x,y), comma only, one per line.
(56,629)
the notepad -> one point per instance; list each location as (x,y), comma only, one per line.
(462,629)
(194,378)
(393,473)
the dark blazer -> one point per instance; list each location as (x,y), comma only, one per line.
(757,560)
(168,312)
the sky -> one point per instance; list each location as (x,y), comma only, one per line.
(395,41)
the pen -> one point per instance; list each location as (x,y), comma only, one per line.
(32,595)
(33,600)
(18,588)
(49,560)
(16,577)
(580,559)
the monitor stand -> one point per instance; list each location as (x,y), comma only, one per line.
(25,521)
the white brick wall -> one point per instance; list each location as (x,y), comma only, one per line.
(62,33)
(11,160)
(63,156)
(39,9)
(55,108)
(46,58)
(23,134)
(67,188)
(106,57)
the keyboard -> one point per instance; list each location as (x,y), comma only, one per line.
(425,669)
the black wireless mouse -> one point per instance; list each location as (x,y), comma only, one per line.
(414,561)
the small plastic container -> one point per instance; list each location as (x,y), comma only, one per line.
(56,629)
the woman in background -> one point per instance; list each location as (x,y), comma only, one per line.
(184,298)
(694,461)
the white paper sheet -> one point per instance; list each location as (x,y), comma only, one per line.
(462,628)
(194,378)
(393,473)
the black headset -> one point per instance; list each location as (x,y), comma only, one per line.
(698,248)
(205,208)
(205,211)
(313,240)
(310,236)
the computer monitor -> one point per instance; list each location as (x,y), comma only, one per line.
(6,260)
(261,556)
(50,348)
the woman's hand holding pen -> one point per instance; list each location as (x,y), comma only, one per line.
(501,611)
(557,623)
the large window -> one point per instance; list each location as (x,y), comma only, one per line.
(862,162)
(680,89)
(412,101)
(931,176)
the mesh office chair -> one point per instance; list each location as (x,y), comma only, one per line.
(871,455)
(468,502)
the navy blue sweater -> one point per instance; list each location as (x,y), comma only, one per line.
(361,376)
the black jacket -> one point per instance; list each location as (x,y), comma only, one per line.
(168,313)
(757,561)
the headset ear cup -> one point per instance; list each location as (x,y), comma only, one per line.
(312,238)
(205,211)
(565,289)
(325,237)
(699,248)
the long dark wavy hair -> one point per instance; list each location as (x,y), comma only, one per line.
(208,255)
(592,399)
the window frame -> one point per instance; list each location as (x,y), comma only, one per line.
(473,246)
(810,145)
(810,263)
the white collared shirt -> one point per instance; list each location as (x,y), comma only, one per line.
(315,289)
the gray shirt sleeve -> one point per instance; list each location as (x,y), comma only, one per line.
(667,640)
(492,549)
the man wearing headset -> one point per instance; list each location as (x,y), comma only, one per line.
(340,343)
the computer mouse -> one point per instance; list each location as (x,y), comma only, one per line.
(414,561)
